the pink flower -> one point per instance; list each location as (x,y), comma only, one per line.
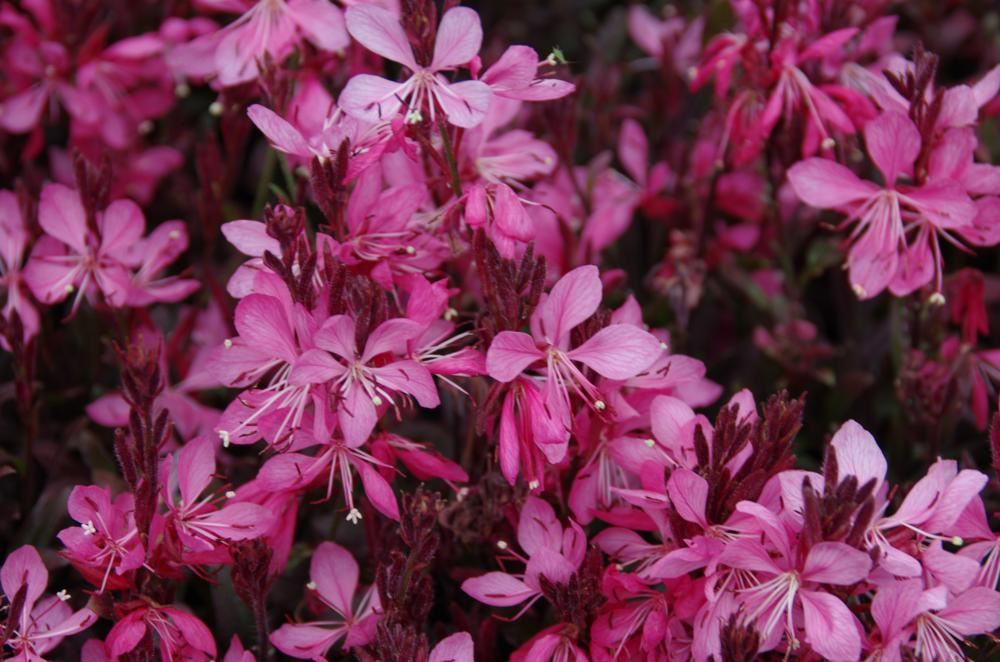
(361,383)
(334,575)
(552,552)
(77,255)
(40,626)
(939,622)
(181,635)
(196,520)
(14,241)
(376,99)
(272,334)
(456,648)
(515,76)
(884,251)
(106,540)
(616,352)
(335,458)
(267,28)
(788,578)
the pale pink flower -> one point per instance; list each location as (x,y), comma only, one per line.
(14,242)
(181,635)
(897,228)
(376,99)
(41,625)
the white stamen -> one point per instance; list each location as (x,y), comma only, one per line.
(957,541)
(828,143)
(376,400)
(649,442)
(533,485)
(227,343)
(88,528)
(462,493)
(230,494)
(70,288)
(410,250)
(664,345)
(501,544)
(936,299)
(600,406)
(224,436)
(216,109)
(311,586)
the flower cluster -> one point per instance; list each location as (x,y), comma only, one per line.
(454,352)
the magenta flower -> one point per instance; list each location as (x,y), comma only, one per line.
(361,383)
(552,552)
(272,334)
(895,241)
(106,541)
(376,99)
(200,524)
(792,580)
(617,352)
(76,256)
(41,625)
(267,28)
(334,575)
(335,458)
(181,635)
(14,241)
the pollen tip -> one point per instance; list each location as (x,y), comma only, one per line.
(533,485)
(70,288)
(501,544)
(63,595)
(600,406)
(227,343)
(957,541)
(649,441)
(311,586)
(182,90)
(224,436)
(829,143)
(216,108)
(376,400)
(230,494)
(936,299)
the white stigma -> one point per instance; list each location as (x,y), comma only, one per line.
(63,595)
(354,516)
(88,528)
(501,544)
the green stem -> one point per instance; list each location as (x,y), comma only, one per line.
(449,157)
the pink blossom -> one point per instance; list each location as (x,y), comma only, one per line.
(360,384)
(552,552)
(14,242)
(334,575)
(895,240)
(267,28)
(181,635)
(41,625)
(106,540)
(376,99)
